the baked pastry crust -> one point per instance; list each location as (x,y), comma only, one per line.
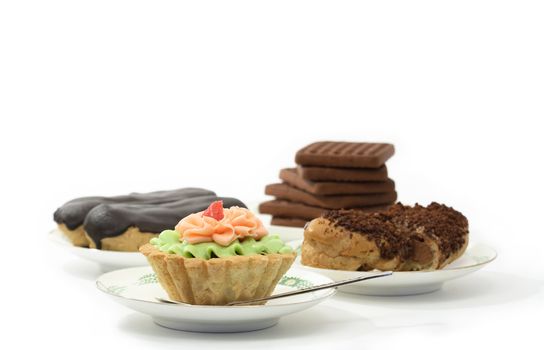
(76,236)
(217,281)
(402,238)
(129,241)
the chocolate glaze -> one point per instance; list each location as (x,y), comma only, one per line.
(110,220)
(73,213)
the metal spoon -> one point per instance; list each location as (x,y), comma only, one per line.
(295,292)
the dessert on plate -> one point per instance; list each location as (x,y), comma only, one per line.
(217,256)
(71,215)
(125,223)
(127,227)
(402,238)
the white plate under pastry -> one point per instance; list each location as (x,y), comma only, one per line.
(408,282)
(286,233)
(107,259)
(112,260)
(137,288)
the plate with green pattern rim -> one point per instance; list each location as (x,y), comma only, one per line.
(137,288)
(401,283)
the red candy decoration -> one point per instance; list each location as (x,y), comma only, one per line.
(215,210)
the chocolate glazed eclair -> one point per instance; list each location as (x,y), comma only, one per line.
(126,227)
(71,215)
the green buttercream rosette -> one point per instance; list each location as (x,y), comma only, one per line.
(169,242)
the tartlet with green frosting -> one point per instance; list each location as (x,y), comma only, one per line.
(218,256)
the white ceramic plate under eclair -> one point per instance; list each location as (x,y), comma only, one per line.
(110,260)
(138,287)
(408,282)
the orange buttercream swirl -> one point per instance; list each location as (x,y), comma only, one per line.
(237,223)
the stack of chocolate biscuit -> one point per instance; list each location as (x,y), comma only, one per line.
(331,175)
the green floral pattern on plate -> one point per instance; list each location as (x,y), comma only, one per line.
(481,259)
(147,279)
(116,290)
(151,278)
(295,282)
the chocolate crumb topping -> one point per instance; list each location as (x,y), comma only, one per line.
(395,230)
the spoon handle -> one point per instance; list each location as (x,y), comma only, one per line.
(314,288)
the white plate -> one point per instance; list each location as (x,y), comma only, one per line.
(137,288)
(409,282)
(286,233)
(110,260)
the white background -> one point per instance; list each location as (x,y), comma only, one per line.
(108,97)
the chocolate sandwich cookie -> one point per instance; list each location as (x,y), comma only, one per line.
(127,226)
(286,209)
(345,154)
(286,192)
(71,215)
(292,222)
(291,177)
(315,173)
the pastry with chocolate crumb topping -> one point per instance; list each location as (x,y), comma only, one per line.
(402,238)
